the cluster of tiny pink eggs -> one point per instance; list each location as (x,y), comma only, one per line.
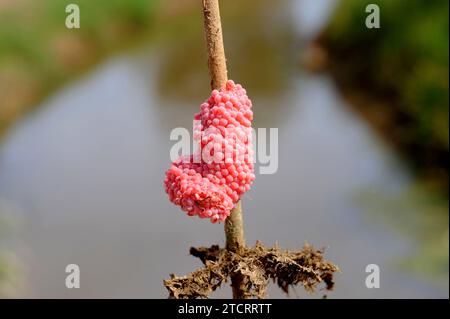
(211,181)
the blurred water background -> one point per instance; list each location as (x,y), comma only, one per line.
(82,163)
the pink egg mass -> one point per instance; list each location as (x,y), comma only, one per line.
(211,181)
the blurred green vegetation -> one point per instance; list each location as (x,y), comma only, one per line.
(38,52)
(422,216)
(404,64)
(10,275)
(10,266)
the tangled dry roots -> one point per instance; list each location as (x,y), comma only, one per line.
(256,265)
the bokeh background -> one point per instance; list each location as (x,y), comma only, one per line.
(85,118)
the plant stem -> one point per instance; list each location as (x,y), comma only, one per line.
(234,233)
(234,230)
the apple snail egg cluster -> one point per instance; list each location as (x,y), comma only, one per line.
(211,181)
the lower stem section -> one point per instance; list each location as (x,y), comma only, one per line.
(235,241)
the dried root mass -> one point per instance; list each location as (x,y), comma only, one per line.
(256,265)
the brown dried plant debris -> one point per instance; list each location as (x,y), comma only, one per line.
(256,265)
